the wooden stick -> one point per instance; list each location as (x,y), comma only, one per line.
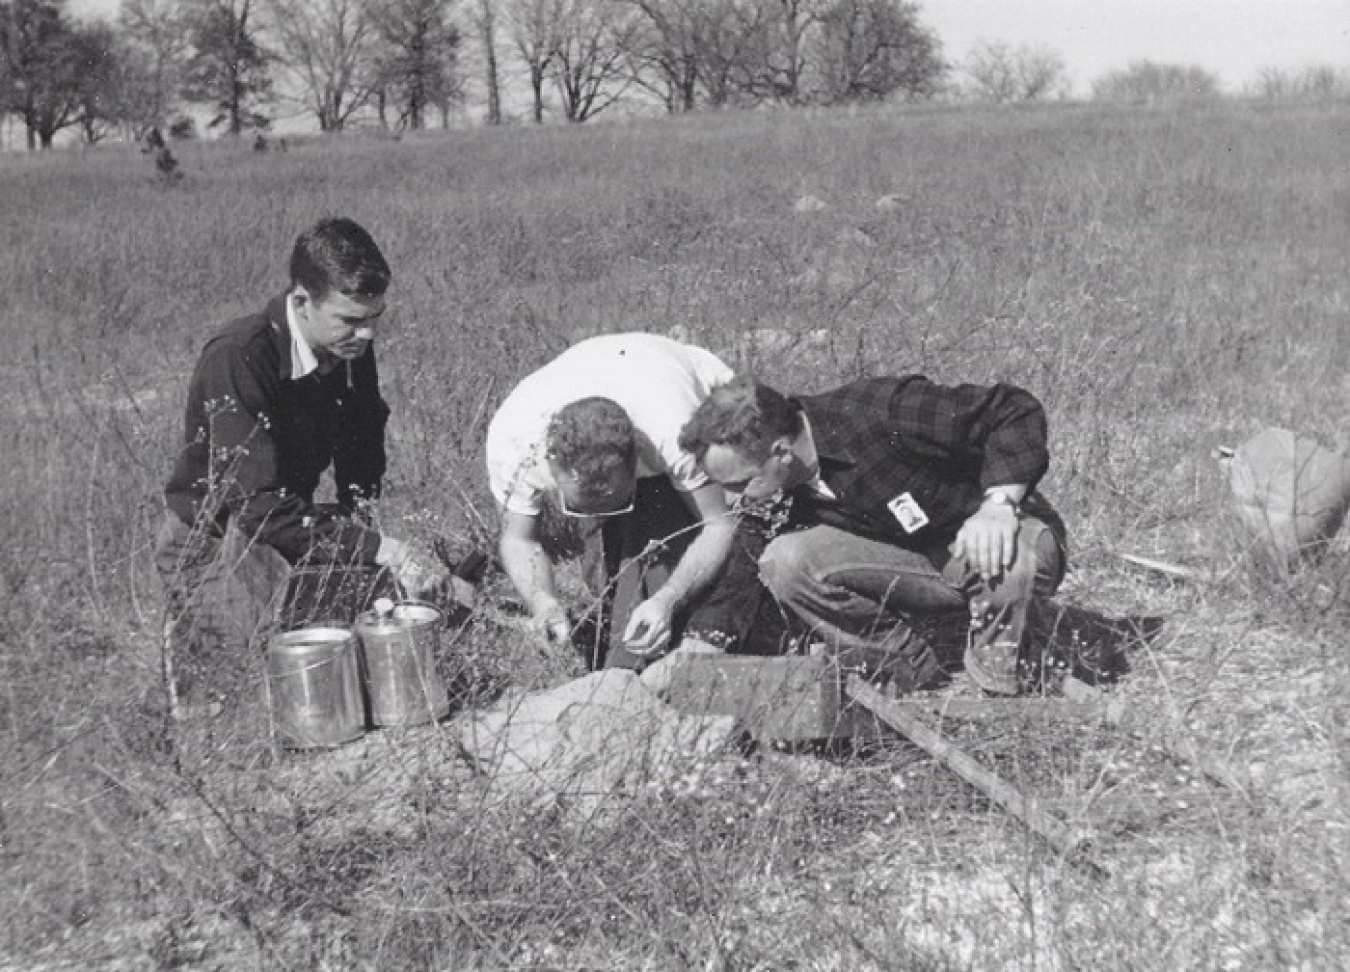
(902,717)
(1161,566)
(1034,706)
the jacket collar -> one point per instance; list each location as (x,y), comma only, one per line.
(832,447)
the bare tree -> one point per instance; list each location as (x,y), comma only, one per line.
(1272,83)
(228,68)
(685,51)
(140,102)
(871,49)
(41,53)
(731,38)
(1149,81)
(667,42)
(589,68)
(1002,74)
(535,27)
(1312,82)
(330,47)
(98,80)
(487,32)
(779,50)
(157,33)
(421,50)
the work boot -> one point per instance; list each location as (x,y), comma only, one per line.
(903,662)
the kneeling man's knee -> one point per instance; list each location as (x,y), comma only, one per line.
(786,561)
(1039,565)
(1047,569)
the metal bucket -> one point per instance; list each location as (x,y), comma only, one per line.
(402,684)
(314,687)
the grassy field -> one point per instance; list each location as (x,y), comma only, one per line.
(1165,280)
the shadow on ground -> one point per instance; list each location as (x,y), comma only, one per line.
(1095,647)
(1068,639)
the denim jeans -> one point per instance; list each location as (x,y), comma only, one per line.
(865,598)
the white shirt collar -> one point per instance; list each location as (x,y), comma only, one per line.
(806,444)
(303,360)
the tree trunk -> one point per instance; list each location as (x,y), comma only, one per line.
(494,90)
(488,22)
(236,110)
(537,86)
(687,94)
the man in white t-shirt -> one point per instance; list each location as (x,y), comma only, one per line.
(594,435)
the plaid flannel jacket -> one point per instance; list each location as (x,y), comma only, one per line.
(881,438)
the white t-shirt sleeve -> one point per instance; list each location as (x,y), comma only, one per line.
(516,476)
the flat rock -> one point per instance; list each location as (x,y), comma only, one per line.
(587,740)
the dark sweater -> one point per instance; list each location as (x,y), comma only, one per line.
(258,441)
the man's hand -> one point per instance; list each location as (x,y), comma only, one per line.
(649,625)
(550,621)
(419,577)
(462,591)
(988,540)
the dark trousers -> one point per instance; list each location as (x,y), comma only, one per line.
(225,595)
(221,595)
(628,558)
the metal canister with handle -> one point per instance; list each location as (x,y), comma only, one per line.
(400,643)
(314,687)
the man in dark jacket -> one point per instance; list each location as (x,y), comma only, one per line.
(890,499)
(276,398)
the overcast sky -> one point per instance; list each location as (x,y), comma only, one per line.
(1232,38)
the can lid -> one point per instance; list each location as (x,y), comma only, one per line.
(304,640)
(409,614)
(417,613)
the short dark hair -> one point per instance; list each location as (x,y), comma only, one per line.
(744,414)
(339,255)
(593,439)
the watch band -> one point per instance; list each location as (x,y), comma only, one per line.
(1000,498)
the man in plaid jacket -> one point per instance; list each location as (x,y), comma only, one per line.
(888,500)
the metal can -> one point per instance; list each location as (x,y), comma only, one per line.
(314,687)
(400,644)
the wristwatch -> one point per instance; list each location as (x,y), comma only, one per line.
(1000,498)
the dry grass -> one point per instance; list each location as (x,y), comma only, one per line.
(1165,281)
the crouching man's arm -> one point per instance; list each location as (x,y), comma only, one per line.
(531,572)
(649,625)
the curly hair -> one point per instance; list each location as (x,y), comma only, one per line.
(593,439)
(339,255)
(743,414)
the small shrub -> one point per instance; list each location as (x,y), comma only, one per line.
(166,166)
